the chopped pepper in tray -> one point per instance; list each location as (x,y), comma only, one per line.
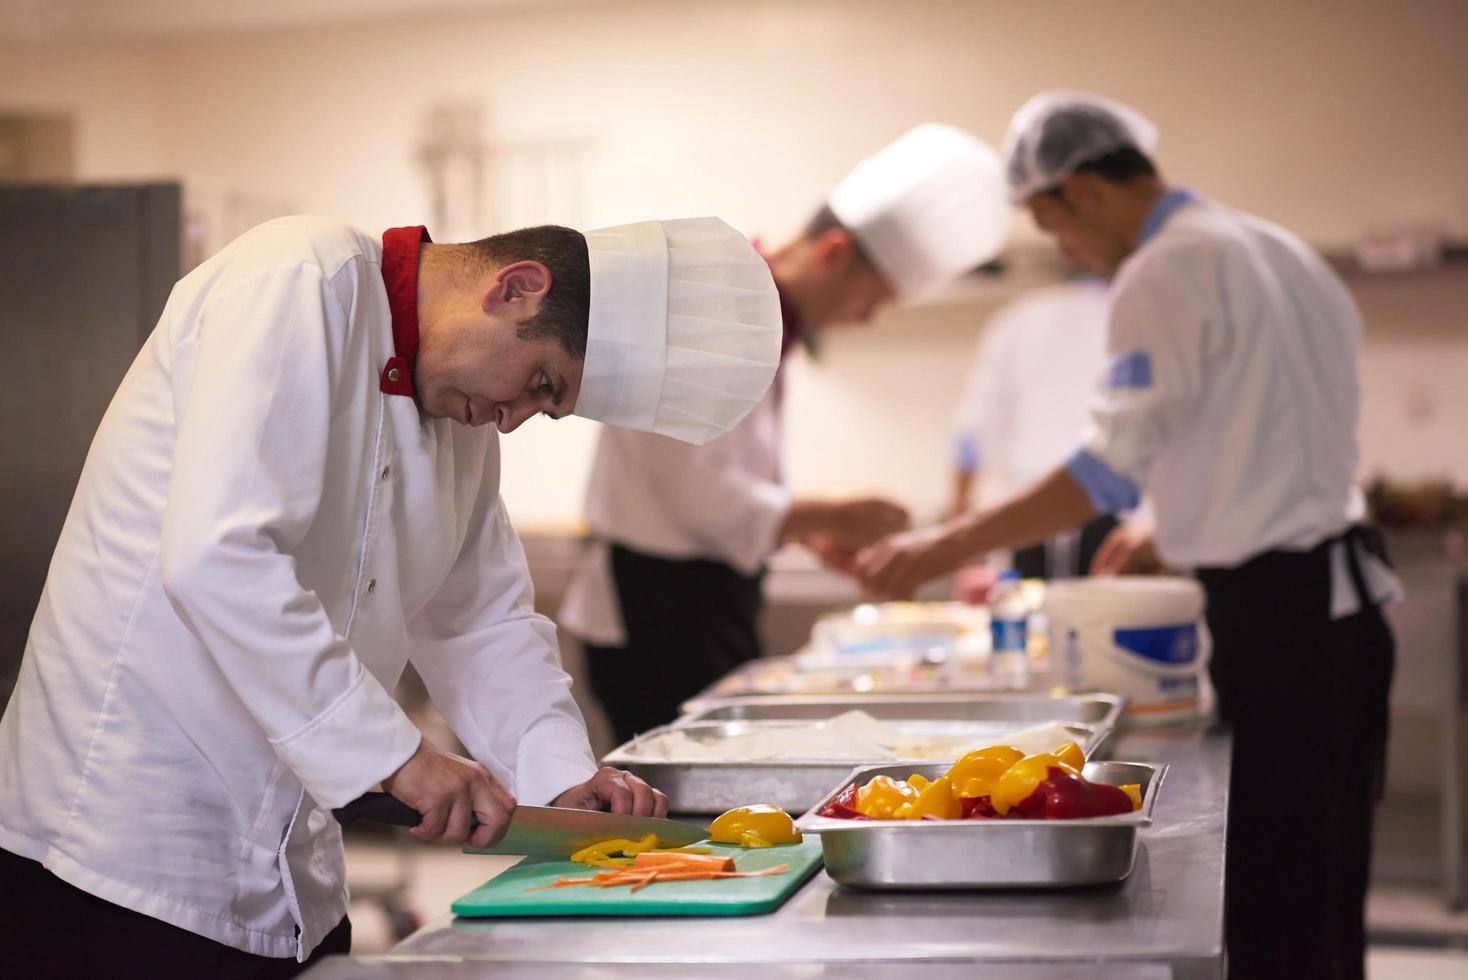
(997,782)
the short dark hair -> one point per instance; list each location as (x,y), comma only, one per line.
(567,305)
(1118,167)
(823,221)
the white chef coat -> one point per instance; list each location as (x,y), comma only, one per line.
(724,501)
(260,540)
(1028,396)
(1231,394)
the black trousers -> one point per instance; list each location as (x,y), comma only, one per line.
(1306,697)
(53,929)
(688,623)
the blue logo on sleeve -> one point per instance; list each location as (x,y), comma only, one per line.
(1130,370)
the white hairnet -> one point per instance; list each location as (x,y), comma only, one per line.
(1055,132)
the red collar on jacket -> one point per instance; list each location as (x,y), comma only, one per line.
(400,247)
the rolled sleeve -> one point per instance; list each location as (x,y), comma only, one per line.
(492,665)
(552,759)
(363,733)
(1108,491)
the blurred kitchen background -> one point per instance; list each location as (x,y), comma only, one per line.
(139,136)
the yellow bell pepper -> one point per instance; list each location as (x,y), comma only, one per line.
(880,798)
(917,781)
(760,825)
(1070,753)
(1134,790)
(1021,779)
(936,799)
(975,773)
(601,852)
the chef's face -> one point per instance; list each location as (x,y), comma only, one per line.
(1079,218)
(480,366)
(843,289)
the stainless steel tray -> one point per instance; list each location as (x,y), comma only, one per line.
(904,674)
(1101,710)
(984,854)
(712,786)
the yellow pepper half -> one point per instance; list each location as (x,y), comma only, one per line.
(760,825)
(1021,779)
(880,798)
(974,774)
(936,799)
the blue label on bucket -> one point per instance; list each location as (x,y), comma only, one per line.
(1162,644)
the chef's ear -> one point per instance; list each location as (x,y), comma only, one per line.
(520,284)
(834,250)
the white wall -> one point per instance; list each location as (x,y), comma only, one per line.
(1333,117)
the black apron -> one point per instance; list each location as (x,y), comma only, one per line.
(1306,697)
(688,623)
(1049,560)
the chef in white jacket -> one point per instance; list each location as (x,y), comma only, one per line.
(668,596)
(293,493)
(1024,405)
(1231,397)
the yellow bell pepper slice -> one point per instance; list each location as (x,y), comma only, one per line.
(1021,779)
(974,774)
(882,795)
(937,799)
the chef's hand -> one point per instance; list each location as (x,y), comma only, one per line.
(448,790)
(833,554)
(895,566)
(1127,550)
(617,791)
(851,523)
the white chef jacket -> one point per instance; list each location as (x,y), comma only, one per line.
(260,540)
(1028,396)
(724,501)
(1231,394)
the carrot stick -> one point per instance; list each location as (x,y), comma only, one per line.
(684,862)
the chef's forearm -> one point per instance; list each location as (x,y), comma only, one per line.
(1055,504)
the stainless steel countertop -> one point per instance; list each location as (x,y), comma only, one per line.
(1167,916)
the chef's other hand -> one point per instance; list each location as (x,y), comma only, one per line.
(448,790)
(833,554)
(617,791)
(1127,550)
(866,520)
(895,566)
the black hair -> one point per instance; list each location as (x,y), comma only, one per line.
(566,307)
(1118,167)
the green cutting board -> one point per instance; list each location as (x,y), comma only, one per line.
(506,894)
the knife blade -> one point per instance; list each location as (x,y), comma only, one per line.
(541,831)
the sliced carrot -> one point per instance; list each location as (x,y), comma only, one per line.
(684,862)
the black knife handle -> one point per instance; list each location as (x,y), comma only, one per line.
(379,808)
(383,808)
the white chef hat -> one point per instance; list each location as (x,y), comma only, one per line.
(684,332)
(1055,132)
(926,208)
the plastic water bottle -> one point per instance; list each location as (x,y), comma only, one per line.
(1009,617)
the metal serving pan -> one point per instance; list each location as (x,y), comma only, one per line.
(712,786)
(984,854)
(903,674)
(1098,709)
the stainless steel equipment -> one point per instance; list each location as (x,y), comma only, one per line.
(708,786)
(904,673)
(84,272)
(984,854)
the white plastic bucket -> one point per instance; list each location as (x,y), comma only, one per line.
(1139,636)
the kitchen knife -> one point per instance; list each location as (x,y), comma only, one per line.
(542,831)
